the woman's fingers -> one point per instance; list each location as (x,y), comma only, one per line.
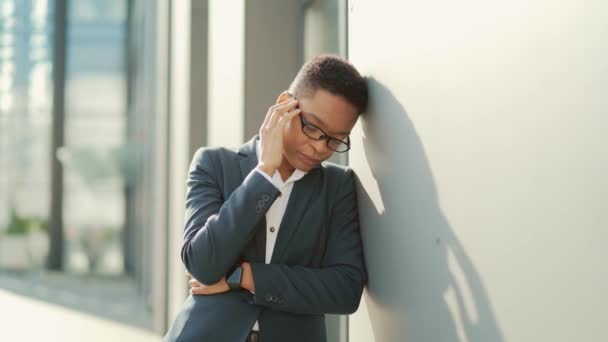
(268,116)
(196,288)
(271,111)
(196,291)
(288,116)
(279,111)
(271,135)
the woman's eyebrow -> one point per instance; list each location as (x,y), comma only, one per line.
(323,123)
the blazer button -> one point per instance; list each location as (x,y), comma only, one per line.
(265,198)
(259,206)
(269,298)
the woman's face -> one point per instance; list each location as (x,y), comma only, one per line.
(331,113)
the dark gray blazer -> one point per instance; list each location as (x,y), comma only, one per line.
(317,266)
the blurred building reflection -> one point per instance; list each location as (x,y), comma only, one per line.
(102,158)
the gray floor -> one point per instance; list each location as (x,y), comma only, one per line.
(113,298)
(26,319)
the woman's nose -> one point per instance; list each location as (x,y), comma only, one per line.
(320,147)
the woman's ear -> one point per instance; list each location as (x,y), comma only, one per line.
(284,96)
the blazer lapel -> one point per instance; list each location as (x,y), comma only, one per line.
(248,161)
(299,201)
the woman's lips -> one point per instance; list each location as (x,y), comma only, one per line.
(308,160)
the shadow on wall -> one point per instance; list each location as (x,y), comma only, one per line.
(422,285)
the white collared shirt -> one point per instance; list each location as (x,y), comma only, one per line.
(275,213)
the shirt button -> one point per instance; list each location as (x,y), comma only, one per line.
(272,229)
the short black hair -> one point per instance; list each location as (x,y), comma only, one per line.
(334,74)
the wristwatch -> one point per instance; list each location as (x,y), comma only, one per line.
(234,280)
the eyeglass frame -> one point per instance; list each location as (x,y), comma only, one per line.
(326,137)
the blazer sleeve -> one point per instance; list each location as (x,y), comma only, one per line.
(336,287)
(217,229)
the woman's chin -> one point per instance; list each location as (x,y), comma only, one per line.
(299,164)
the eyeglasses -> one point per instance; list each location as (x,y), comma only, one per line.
(316,133)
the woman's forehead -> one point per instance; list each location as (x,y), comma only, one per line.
(331,111)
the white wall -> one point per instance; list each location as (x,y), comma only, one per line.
(482,171)
(179,151)
(187,124)
(226,72)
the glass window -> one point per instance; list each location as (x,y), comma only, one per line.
(106,184)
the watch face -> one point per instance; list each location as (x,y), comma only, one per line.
(234,281)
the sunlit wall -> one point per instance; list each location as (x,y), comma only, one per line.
(482,164)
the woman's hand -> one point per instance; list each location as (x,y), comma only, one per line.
(197,288)
(271,135)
